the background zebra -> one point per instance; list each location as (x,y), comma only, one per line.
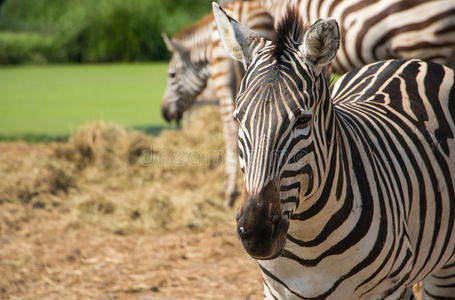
(196,55)
(377,30)
(349,196)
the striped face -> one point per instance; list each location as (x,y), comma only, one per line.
(187,77)
(276,125)
(184,84)
(275,143)
(276,110)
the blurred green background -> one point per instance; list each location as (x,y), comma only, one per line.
(67,62)
(39,31)
(42,103)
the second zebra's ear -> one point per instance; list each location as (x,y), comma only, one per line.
(173,45)
(238,40)
(321,42)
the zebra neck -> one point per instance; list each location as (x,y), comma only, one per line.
(329,195)
(200,57)
(203,75)
(315,227)
(198,40)
(199,62)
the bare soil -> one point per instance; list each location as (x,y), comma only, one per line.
(117,214)
(47,255)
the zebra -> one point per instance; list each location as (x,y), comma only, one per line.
(378,30)
(350,191)
(196,55)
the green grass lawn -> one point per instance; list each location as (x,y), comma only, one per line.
(44,102)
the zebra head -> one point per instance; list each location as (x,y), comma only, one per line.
(186,80)
(278,111)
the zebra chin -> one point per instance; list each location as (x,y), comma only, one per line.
(261,225)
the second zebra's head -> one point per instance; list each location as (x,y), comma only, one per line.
(277,110)
(186,80)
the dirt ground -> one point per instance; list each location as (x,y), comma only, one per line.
(116,214)
(45,255)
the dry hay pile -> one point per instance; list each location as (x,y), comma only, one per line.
(124,181)
(118,214)
(73,217)
(47,256)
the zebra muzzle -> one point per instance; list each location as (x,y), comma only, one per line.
(262,226)
(165,113)
(170,115)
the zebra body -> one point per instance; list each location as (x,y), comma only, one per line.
(378,30)
(198,55)
(350,193)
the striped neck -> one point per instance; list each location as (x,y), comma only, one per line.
(328,161)
(198,39)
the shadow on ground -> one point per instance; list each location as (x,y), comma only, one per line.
(33,138)
(152,129)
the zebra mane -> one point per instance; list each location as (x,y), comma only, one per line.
(195,27)
(289,32)
(204,22)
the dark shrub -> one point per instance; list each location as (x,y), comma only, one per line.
(95,31)
(16,48)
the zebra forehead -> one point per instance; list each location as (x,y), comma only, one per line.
(268,101)
(289,32)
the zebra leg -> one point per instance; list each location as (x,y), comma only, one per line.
(232,159)
(231,166)
(224,80)
(440,285)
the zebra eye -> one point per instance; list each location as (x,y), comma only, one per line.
(172,75)
(303,120)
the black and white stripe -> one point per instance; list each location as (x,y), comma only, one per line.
(350,191)
(198,55)
(378,30)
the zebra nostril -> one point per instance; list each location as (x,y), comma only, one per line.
(242,233)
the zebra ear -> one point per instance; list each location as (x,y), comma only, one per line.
(237,39)
(173,45)
(321,42)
